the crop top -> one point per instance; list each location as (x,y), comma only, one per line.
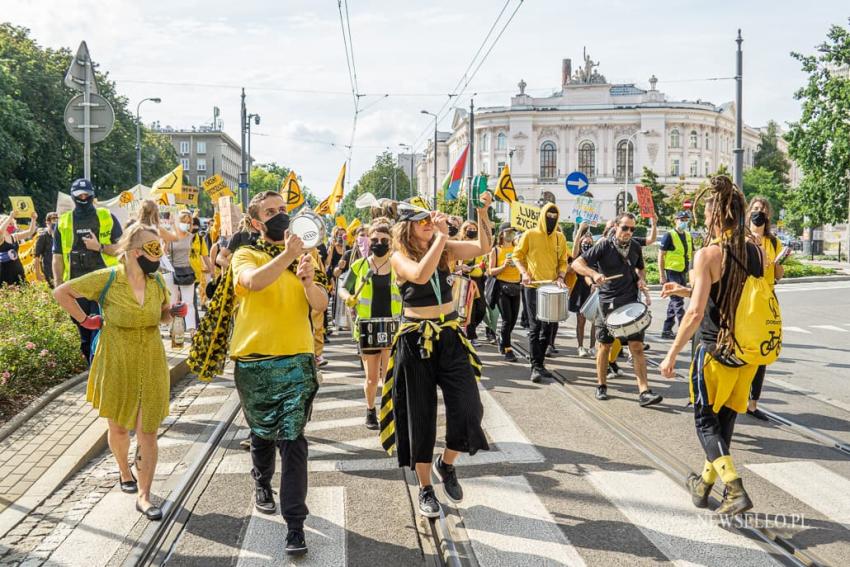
(422,295)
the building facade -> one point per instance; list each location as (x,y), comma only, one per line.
(205,152)
(607,131)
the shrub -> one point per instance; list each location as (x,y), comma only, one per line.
(794,268)
(39,345)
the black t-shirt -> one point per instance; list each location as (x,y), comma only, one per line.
(83,260)
(44,252)
(240,239)
(609,262)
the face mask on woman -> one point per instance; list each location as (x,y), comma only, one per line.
(453,230)
(682,225)
(147,266)
(185,227)
(758,218)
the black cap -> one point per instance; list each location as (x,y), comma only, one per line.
(683,215)
(408,212)
(505,226)
(82,186)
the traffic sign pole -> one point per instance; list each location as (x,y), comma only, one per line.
(87,121)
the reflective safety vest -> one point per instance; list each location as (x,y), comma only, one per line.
(66,234)
(674,260)
(364,302)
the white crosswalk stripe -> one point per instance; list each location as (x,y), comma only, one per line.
(796,330)
(830,328)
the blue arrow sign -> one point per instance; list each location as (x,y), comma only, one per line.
(577,183)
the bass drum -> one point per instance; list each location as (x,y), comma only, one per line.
(309,227)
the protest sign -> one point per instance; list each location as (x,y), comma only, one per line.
(586,210)
(524,217)
(644,199)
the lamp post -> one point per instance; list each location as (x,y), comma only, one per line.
(139,138)
(435,154)
(626,176)
(409,148)
(256,118)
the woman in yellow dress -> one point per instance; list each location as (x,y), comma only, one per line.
(129,378)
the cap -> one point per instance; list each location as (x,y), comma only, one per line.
(683,215)
(408,212)
(505,226)
(81,186)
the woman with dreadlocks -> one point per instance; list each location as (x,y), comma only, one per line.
(719,381)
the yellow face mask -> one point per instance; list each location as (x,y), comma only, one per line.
(152,248)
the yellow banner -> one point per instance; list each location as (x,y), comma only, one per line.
(125,198)
(189,196)
(26,253)
(171,182)
(216,188)
(419,202)
(505,190)
(524,217)
(291,191)
(22,207)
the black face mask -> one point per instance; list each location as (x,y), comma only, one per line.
(585,247)
(84,205)
(453,230)
(380,249)
(551,224)
(472,234)
(276,227)
(758,218)
(147,266)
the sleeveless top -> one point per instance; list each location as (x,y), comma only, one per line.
(180,251)
(422,295)
(511,273)
(710,326)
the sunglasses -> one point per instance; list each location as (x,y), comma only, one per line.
(627,228)
(379,240)
(152,248)
(424,222)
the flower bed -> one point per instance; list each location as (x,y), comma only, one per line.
(39,346)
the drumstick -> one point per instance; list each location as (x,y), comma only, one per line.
(614,277)
(369,275)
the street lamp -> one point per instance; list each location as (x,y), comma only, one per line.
(256,118)
(435,154)
(409,148)
(626,176)
(157,100)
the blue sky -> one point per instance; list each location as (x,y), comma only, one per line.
(417,52)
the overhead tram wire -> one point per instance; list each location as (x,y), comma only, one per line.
(348,43)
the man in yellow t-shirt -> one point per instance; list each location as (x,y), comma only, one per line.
(272,345)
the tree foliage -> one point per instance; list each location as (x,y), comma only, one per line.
(663,208)
(378,181)
(37,156)
(770,157)
(269,176)
(763,182)
(820,141)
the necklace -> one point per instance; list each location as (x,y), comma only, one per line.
(378,268)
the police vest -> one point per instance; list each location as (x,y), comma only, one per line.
(66,234)
(364,302)
(674,260)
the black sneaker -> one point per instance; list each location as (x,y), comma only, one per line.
(546,373)
(551,352)
(372,419)
(491,337)
(429,506)
(510,356)
(536,375)
(448,476)
(758,414)
(602,392)
(668,335)
(649,398)
(295,544)
(264,499)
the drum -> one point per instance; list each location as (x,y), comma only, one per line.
(461,290)
(309,227)
(552,304)
(591,309)
(340,310)
(628,320)
(377,333)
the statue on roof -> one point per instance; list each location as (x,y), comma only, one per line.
(588,75)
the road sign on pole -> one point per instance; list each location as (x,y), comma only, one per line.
(101,118)
(577,183)
(75,77)
(687,204)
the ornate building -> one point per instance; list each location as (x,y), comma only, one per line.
(607,131)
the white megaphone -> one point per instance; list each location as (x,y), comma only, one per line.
(366,200)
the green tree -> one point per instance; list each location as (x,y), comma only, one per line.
(763,182)
(820,141)
(663,208)
(770,157)
(378,181)
(269,176)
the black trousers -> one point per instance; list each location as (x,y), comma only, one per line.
(509,309)
(676,306)
(758,383)
(714,430)
(293,478)
(479,310)
(539,332)
(87,335)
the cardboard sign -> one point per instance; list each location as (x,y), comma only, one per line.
(524,217)
(216,188)
(22,207)
(189,196)
(230,216)
(586,210)
(644,198)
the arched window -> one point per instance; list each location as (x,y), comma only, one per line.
(485,142)
(694,172)
(707,141)
(501,141)
(548,161)
(675,140)
(707,168)
(587,159)
(625,161)
(693,143)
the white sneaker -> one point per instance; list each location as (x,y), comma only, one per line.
(592,351)
(582,352)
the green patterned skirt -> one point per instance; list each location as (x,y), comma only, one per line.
(277,394)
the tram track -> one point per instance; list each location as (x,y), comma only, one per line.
(772,541)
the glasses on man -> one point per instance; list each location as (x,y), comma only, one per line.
(627,228)
(379,240)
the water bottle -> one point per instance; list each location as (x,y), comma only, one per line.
(178,332)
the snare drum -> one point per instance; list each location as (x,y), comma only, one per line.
(630,319)
(377,333)
(309,227)
(590,309)
(552,304)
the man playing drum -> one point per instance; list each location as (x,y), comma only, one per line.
(541,255)
(620,275)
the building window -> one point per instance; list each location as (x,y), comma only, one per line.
(202,164)
(485,167)
(184,148)
(548,161)
(587,159)
(675,141)
(500,167)
(693,142)
(625,162)
(485,142)
(501,141)
(707,141)
(201,179)
(185,163)
(201,148)
(694,168)
(675,168)
(707,167)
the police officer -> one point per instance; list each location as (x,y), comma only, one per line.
(84,241)
(675,253)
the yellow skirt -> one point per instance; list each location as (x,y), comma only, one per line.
(718,385)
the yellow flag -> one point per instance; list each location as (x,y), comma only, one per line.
(328,206)
(171,182)
(351,229)
(419,202)
(341,222)
(505,190)
(291,191)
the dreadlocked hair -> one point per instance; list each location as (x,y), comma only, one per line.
(725,213)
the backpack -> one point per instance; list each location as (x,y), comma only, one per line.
(758,323)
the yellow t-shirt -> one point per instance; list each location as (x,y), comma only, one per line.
(196,252)
(510,273)
(770,254)
(274,321)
